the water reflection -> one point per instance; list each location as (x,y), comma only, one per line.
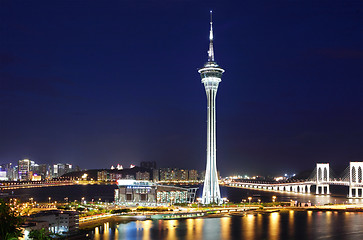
(145,228)
(211,228)
(309,222)
(106,230)
(225,228)
(274,226)
(198,224)
(291,224)
(116,234)
(171,228)
(97,233)
(248,226)
(190,228)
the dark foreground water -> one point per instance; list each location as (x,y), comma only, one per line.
(275,226)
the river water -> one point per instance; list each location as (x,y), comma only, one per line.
(275,226)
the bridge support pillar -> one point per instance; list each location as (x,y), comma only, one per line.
(355,179)
(322,187)
(358,192)
(309,186)
(322,178)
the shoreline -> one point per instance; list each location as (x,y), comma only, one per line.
(129,218)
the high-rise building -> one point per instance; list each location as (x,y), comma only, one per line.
(211,75)
(169,174)
(142,176)
(41,170)
(193,175)
(156,175)
(9,171)
(102,176)
(60,168)
(25,168)
(182,175)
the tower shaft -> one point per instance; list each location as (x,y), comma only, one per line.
(211,75)
(211,192)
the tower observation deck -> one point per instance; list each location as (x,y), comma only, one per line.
(211,75)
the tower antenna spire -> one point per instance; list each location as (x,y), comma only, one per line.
(211,51)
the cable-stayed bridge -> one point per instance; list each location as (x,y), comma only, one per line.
(321,178)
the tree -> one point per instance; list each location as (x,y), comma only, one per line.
(10,222)
(41,234)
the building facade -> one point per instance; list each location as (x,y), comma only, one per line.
(58,221)
(25,168)
(148,193)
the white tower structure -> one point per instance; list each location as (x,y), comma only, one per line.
(322,178)
(211,75)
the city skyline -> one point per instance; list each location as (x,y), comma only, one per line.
(115,83)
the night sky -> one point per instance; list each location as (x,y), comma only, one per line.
(96,83)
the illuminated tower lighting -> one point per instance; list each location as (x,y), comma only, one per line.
(211,75)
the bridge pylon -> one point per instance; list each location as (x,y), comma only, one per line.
(322,179)
(355,180)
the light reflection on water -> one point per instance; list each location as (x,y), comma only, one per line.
(274,226)
(225,223)
(291,224)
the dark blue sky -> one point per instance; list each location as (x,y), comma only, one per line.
(96,83)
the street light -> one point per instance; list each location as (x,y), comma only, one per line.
(199,200)
(249,200)
(273,198)
(49,199)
